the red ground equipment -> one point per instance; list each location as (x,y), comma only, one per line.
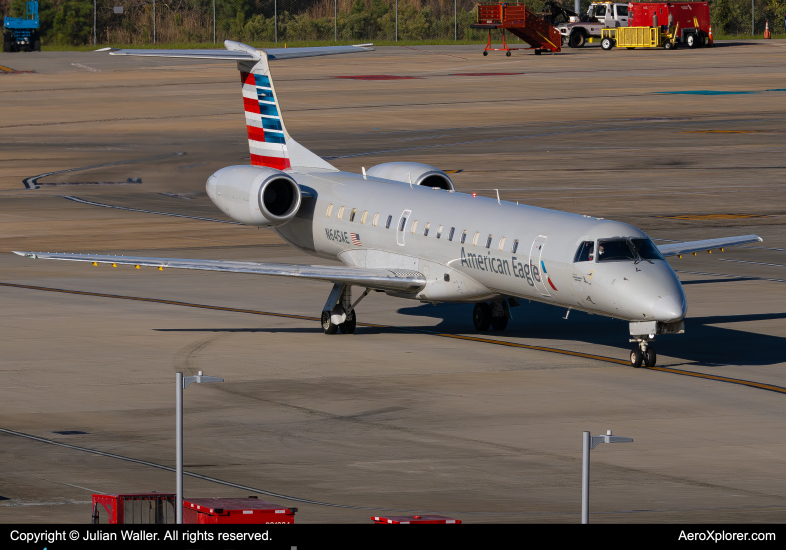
(402,520)
(235,510)
(145,508)
(693,19)
(539,34)
(159,508)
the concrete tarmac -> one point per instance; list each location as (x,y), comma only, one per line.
(404,414)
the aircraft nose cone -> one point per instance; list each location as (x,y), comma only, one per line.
(210,187)
(669,308)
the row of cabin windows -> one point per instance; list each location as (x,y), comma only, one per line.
(426,228)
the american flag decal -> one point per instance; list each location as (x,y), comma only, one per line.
(355,239)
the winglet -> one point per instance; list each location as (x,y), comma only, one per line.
(240,47)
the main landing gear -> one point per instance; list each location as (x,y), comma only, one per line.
(643,354)
(494,315)
(339,311)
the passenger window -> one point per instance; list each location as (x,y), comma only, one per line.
(390,219)
(439,231)
(376,219)
(329,210)
(463,236)
(475,238)
(585,253)
(515,246)
(340,212)
(363,217)
(501,244)
(414,226)
(488,242)
(401,225)
(425,229)
(450,235)
(352,214)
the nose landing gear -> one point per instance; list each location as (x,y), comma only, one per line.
(643,354)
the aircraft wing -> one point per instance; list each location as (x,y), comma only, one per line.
(378,279)
(244,55)
(672,249)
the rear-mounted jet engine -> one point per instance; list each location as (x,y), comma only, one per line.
(255,195)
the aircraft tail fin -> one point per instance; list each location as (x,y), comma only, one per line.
(269,142)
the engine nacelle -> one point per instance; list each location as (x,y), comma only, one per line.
(412,172)
(255,195)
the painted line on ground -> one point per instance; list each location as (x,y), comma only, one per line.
(32,181)
(318,503)
(748,383)
(748,262)
(746,277)
(129,209)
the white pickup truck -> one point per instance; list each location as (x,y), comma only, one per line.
(599,15)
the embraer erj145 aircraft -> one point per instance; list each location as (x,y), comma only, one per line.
(401,228)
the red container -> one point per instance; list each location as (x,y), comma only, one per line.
(136,508)
(235,510)
(640,15)
(403,520)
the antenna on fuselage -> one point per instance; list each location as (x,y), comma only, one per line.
(364,172)
(409,176)
(497,190)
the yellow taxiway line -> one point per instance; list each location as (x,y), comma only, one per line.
(748,383)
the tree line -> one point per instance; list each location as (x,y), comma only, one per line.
(70,22)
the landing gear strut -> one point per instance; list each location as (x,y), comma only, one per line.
(642,354)
(494,315)
(339,311)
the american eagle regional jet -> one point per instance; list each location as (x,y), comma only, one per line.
(402,228)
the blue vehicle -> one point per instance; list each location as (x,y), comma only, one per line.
(20,34)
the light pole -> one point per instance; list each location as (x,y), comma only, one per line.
(455,20)
(182,383)
(275,19)
(335,20)
(214,21)
(590,442)
(94,22)
(396,20)
(154,21)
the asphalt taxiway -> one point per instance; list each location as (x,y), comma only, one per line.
(415,411)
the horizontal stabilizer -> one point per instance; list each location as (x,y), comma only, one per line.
(237,51)
(379,279)
(672,249)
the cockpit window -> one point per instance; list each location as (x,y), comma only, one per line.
(615,250)
(585,253)
(647,249)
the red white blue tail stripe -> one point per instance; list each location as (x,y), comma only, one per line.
(267,136)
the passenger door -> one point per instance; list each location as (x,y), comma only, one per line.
(535,263)
(402,225)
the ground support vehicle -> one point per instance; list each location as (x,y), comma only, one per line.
(691,18)
(639,37)
(599,15)
(521,22)
(21,33)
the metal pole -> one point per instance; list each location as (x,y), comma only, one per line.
(275,19)
(455,20)
(335,20)
(396,20)
(585,463)
(214,21)
(94,22)
(753,18)
(179,445)
(154,21)
(577,7)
